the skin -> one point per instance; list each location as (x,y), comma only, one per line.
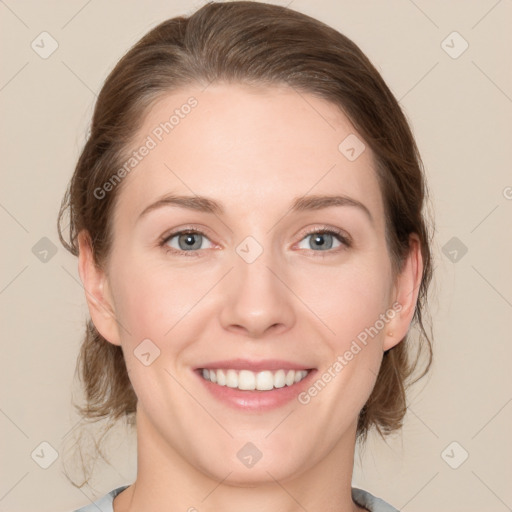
(254,150)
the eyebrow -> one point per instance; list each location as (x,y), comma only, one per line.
(299,204)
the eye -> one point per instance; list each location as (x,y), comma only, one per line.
(324,240)
(191,241)
(185,241)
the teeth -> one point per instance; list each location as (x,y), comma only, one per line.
(248,381)
(221,377)
(231,379)
(279,379)
(264,381)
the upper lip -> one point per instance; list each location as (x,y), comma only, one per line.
(255,366)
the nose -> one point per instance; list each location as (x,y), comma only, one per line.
(257,299)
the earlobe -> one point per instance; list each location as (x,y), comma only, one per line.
(97,291)
(406,292)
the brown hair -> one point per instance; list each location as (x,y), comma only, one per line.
(261,44)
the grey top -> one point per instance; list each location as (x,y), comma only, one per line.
(361,497)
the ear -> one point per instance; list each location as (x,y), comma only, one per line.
(405,294)
(97,291)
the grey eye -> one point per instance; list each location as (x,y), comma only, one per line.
(322,241)
(187,241)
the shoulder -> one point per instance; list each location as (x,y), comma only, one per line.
(361,497)
(370,502)
(103,504)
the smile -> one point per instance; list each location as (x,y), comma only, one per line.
(246,380)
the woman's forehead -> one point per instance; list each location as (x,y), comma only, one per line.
(267,144)
(234,105)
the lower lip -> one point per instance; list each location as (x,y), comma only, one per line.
(256,400)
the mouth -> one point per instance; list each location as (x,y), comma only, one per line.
(247,380)
(255,386)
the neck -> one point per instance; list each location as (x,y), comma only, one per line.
(168,481)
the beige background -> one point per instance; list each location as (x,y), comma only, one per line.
(460,110)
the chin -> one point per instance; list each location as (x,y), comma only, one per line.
(244,472)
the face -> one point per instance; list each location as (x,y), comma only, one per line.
(248,243)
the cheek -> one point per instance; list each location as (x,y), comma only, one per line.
(352,305)
(348,299)
(151,300)
(155,304)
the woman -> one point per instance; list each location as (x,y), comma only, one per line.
(247,216)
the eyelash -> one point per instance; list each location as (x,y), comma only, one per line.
(339,235)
